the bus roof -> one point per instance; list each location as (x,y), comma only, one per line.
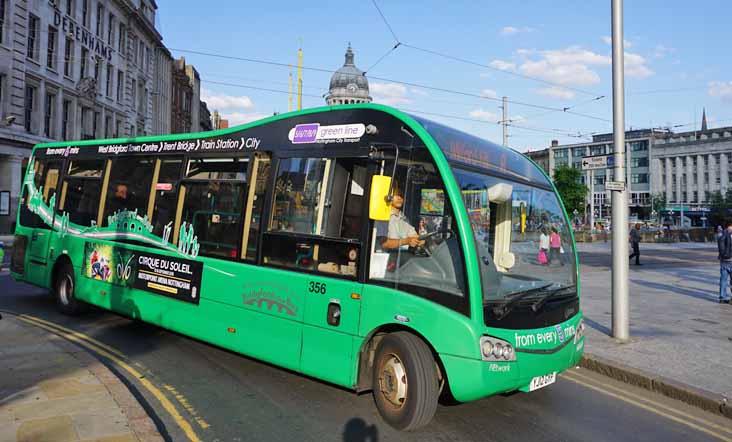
(458,147)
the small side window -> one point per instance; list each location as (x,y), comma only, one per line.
(81,191)
(45,180)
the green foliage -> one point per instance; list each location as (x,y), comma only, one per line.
(658,201)
(719,206)
(570,188)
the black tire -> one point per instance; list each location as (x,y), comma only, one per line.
(63,290)
(411,403)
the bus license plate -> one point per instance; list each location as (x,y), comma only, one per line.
(542,381)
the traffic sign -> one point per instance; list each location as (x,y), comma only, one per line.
(597,162)
(615,185)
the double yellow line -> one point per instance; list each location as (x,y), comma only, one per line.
(667,411)
(116,357)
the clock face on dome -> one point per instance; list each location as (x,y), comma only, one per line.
(352,87)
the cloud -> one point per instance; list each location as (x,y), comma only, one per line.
(609,41)
(512,30)
(417,91)
(488,93)
(236,118)
(222,102)
(484,115)
(662,51)
(721,89)
(635,66)
(393,94)
(502,65)
(556,92)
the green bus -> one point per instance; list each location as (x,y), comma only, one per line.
(357,244)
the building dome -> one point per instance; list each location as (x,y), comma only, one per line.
(348,84)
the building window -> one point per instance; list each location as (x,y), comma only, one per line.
(140,53)
(85,13)
(122,31)
(118,129)
(70,8)
(30,93)
(48,115)
(51,57)
(108,127)
(100,20)
(120,84)
(133,46)
(561,153)
(32,48)
(97,69)
(110,29)
(600,180)
(3,7)
(640,178)
(110,79)
(84,59)
(639,162)
(68,64)
(597,150)
(95,125)
(65,120)
(133,90)
(639,146)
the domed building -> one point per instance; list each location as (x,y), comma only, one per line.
(348,84)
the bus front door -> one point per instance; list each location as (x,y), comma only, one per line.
(46,181)
(332,314)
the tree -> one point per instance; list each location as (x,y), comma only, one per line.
(719,208)
(570,188)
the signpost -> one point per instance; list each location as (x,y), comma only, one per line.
(617,186)
(597,162)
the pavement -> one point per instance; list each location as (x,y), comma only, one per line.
(54,391)
(680,336)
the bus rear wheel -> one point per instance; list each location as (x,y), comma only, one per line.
(63,289)
(405,381)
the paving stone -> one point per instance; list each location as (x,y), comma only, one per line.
(52,429)
(58,388)
(54,407)
(677,328)
(97,425)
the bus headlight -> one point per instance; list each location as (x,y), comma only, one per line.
(580,331)
(497,350)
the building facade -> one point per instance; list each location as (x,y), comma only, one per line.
(639,145)
(349,84)
(540,157)
(71,70)
(688,167)
(679,169)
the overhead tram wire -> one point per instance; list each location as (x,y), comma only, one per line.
(406,83)
(386,22)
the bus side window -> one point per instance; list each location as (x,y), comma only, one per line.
(213,194)
(316,215)
(45,179)
(129,186)
(164,194)
(81,191)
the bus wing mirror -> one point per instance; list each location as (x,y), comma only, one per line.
(379,208)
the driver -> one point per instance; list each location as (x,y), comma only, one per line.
(400,232)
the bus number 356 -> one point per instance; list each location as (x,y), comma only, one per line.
(317,287)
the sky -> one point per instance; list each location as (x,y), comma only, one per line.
(551,58)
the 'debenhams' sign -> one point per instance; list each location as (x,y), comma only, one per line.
(69,27)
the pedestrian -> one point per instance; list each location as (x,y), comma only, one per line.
(724,244)
(719,233)
(543,247)
(555,246)
(635,238)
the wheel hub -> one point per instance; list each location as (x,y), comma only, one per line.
(64,289)
(393,381)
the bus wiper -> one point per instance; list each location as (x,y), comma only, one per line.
(504,309)
(543,300)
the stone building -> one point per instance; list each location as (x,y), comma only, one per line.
(348,84)
(540,157)
(182,98)
(76,69)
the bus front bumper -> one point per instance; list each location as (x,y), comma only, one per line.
(472,379)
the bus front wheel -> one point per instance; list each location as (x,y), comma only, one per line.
(405,381)
(63,288)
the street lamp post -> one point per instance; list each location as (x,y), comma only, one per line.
(620,302)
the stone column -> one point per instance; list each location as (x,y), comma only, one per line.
(669,187)
(679,189)
(700,178)
(723,173)
(656,177)
(712,183)
(689,180)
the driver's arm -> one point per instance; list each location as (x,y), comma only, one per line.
(393,240)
